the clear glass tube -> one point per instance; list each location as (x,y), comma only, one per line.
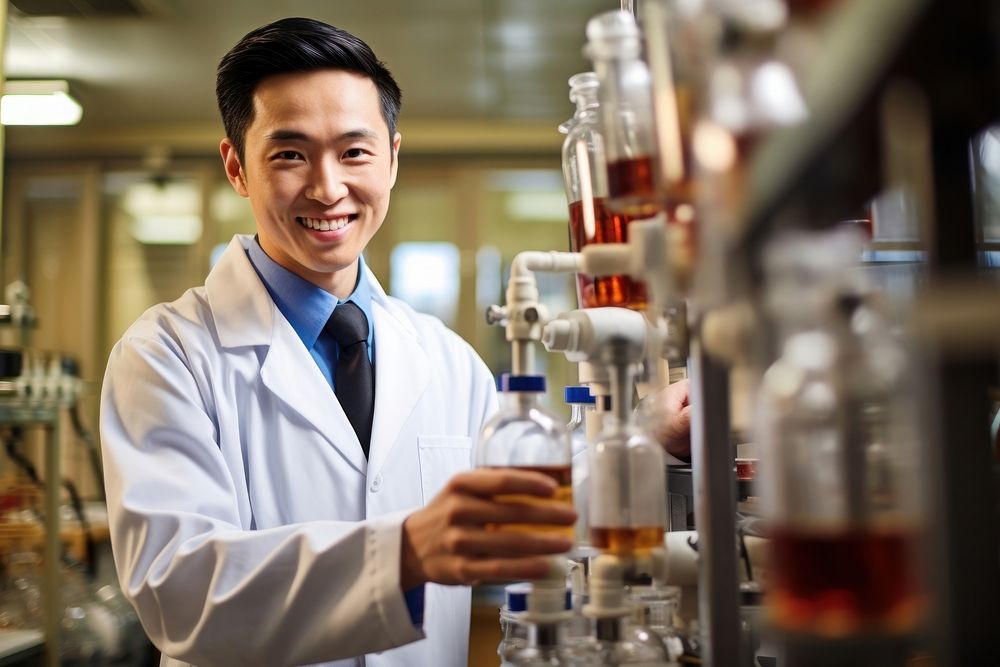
(627,478)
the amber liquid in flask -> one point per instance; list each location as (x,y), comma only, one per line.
(622,541)
(632,188)
(563,476)
(605,290)
(846,582)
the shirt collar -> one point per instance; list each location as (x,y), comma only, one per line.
(306,306)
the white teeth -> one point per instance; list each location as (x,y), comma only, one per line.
(325,225)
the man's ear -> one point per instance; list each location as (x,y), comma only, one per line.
(394,165)
(234,170)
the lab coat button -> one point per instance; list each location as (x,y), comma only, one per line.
(376,483)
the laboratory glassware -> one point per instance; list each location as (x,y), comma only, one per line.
(524,435)
(627,474)
(626,107)
(839,474)
(546,617)
(585,176)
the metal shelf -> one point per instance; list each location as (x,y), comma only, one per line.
(16,411)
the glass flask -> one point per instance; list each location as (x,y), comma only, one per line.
(548,646)
(621,642)
(626,106)
(585,176)
(839,472)
(514,632)
(525,435)
(655,608)
(628,487)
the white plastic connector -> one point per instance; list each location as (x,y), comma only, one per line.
(525,315)
(547,599)
(582,334)
(607,589)
(682,559)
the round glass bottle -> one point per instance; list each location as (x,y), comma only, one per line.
(525,435)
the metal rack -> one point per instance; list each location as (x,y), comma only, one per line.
(16,412)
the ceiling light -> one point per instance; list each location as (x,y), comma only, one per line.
(38,103)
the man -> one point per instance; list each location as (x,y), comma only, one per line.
(262,511)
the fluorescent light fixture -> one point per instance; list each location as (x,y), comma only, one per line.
(39,103)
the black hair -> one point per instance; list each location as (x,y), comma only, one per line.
(294,45)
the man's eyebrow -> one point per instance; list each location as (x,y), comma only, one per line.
(296,135)
(287,135)
(360,134)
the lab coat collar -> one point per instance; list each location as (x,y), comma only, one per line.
(234,293)
(245,315)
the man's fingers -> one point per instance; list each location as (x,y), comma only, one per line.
(486,482)
(496,543)
(471,510)
(504,569)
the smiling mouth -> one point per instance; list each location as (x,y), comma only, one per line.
(319,225)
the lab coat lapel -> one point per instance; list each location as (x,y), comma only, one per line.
(291,373)
(402,373)
(245,315)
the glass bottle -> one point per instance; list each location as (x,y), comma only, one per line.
(584,168)
(525,435)
(655,608)
(628,487)
(514,632)
(838,472)
(626,106)
(620,642)
(548,645)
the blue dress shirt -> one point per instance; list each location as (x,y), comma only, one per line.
(307,308)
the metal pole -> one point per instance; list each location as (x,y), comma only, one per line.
(715,509)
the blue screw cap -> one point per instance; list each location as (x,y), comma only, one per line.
(510,382)
(517,596)
(579,395)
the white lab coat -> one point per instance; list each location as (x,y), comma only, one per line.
(247,526)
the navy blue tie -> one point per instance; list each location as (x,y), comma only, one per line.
(354,380)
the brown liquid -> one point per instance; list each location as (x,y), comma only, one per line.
(606,290)
(632,188)
(563,476)
(623,541)
(846,582)
(746,469)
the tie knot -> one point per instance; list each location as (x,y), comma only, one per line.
(348,324)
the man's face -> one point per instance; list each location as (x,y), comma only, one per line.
(318,168)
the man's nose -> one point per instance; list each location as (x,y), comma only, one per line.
(327,182)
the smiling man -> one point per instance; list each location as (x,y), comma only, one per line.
(287,448)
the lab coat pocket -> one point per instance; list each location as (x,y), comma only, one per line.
(441,457)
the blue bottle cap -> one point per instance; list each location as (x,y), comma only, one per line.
(579,395)
(510,382)
(517,596)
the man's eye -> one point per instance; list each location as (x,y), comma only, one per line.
(353,153)
(288,155)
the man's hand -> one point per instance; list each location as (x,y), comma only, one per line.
(671,423)
(447,542)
